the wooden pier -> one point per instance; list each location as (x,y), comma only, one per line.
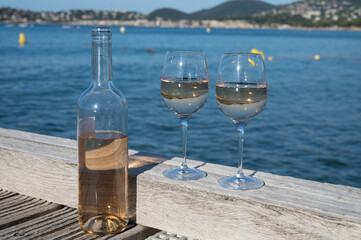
(45,168)
(24,217)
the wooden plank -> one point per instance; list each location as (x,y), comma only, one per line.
(12,199)
(23,228)
(31,218)
(285,208)
(51,226)
(137,232)
(41,144)
(73,234)
(23,210)
(6,195)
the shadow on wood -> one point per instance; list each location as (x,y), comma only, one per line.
(138,164)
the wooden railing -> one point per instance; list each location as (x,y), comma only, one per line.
(285,208)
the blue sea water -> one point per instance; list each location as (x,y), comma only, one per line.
(310,128)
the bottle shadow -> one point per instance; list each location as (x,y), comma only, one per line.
(138,164)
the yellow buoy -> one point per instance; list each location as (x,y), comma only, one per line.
(22,39)
(208,30)
(122,29)
(270,58)
(257,51)
(317,57)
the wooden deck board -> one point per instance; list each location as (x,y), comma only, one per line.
(25,227)
(11,199)
(285,208)
(24,217)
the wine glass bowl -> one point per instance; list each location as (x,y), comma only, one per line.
(184,89)
(241,94)
(185,96)
(241,102)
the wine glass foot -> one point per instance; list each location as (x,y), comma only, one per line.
(246,183)
(184,175)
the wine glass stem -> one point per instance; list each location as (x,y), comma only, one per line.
(184,124)
(240,132)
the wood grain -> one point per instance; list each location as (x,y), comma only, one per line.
(23,217)
(285,208)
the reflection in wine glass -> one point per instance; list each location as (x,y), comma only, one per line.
(184,88)
(241,93)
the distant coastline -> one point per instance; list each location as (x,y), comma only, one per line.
(70,25)
(236,14)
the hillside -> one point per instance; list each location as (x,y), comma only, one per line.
(14,15)
(312,13)
(233,9)
(168,13)
(230,9)
(355,2)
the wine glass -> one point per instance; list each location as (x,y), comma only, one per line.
(241,93)
(184,87)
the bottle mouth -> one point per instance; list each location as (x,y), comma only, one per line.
(101,33)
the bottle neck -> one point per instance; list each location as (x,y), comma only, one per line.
(101,59)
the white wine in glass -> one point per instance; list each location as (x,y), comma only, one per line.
(241,93)
(184,96)
(184,89)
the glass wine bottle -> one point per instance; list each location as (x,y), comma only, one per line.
(102,145)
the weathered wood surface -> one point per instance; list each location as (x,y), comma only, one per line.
(285,208)
(24,217)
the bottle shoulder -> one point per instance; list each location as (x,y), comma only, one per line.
(117,92)
(96,98)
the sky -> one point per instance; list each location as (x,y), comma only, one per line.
(143,6)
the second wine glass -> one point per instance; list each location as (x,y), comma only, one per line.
(241,93)
(184,88)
